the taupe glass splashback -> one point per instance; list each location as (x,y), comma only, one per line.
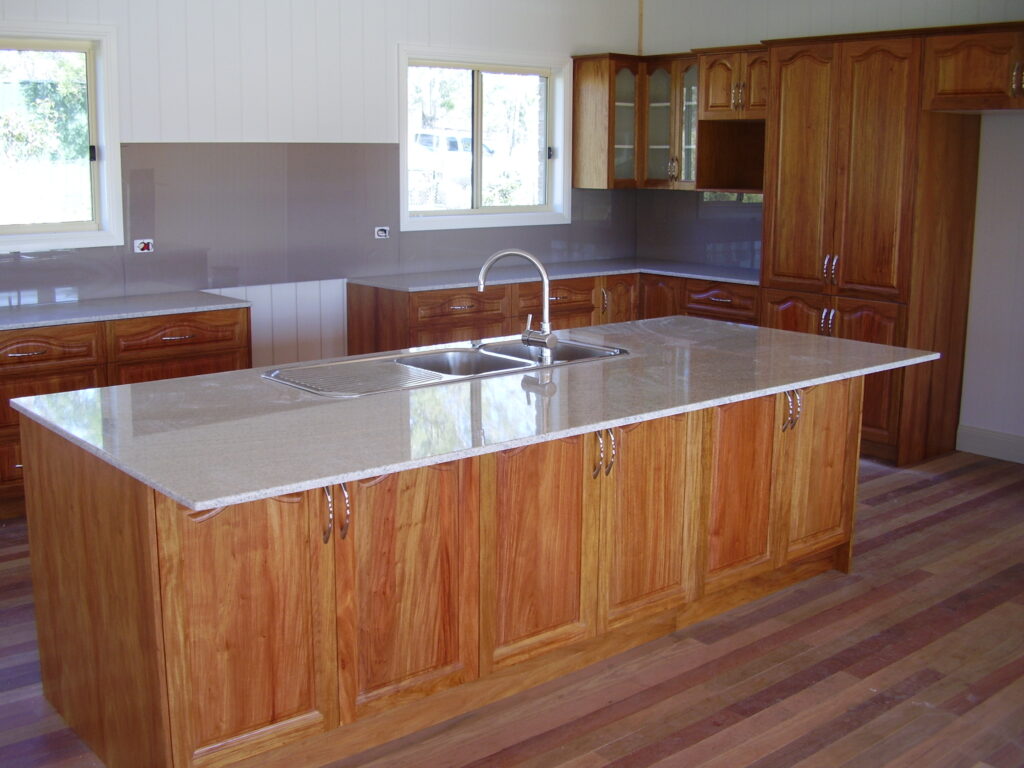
(225,215)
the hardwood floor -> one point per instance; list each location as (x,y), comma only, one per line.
(916,659)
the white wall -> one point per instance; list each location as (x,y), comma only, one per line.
(992,413)
(307,70)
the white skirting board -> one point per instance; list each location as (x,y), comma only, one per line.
(292,322)
(985,442)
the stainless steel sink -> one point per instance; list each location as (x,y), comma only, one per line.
(563,352)
(387,373)
(474,361)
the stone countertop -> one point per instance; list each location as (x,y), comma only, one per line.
(95,310)
(209,441)
(512,270)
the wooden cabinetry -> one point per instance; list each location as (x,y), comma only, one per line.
(457,314)
(538,552)
(606,118)
(734,84)
(858,205)
(619,297)
(661,296)
(669,122)
(977,70)
(407,574)
(721,301)
(247,599)
(573,303)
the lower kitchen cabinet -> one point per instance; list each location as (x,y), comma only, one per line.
(407,572)
(661,296)
(248,626)
(651,478)
(619,297)
(538,551)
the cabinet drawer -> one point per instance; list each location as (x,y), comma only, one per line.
(725,301)
(458,302)
(566,295)
(31,348)
(43,384)
(10,461)
(170,335)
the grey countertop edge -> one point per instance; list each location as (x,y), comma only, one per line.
(115,308)
(199,505)
(503,275)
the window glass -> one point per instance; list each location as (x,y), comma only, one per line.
(45,138)
(514,121)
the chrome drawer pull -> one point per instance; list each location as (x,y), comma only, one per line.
(343,531)
(460,307)
(789,410)
(824,267)
(835,263)
(178,338)
(600,455)
(27,354)
(330,514)
(1016,81)
(19,466)
(611,462)
(720,300)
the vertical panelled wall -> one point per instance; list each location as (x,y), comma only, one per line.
(307,70)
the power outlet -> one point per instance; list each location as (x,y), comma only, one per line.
(144,245)
(381,233)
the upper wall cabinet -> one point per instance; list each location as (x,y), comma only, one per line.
(734,84)
(983,70)
(606,119)
(668,122)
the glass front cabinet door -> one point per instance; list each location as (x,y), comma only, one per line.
(669,124)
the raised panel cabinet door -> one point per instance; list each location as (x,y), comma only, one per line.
(573,296)
(28,349)
(875,155)
(738,536)
(798,170)
(660,296)
(618,298)
(814,467)
(154,370)
(44,383)
(248,609)
(879,322)
(182,334)
(756,79)
(981,70)
(407,567)
(792,311)
(719,81)
(722,301)
(444,333)
(651,501)
(605,123)
(538,551)
(454,303)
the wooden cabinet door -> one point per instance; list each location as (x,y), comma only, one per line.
(982,70)
(572,303)
(660,296)
(652,494)
(249,631)
(879,322)
(722,301)
(756,80)
(470,330)
(798,170)
(406,586)
(719,78)
(803,312)
(738,536)
(814,467)
(605,121)
(669,122)
(154,370)
(874,162)
(618,298)
(538,551)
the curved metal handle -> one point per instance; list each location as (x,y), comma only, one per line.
(27,354)
(824,266)
(178,338)
(19,466)
(789,411)
(831,320)
(672,168)
(720,300)
(821,322)
(799,393)
(604,300)
(611,462)
(600,455)
(732,98)
(330,514)
(343,531)
(202,517)
(835,263)
(1016,79)
(460,307)
(740,88)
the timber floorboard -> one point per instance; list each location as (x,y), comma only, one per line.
(915,659)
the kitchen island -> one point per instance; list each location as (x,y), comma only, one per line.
(231,571)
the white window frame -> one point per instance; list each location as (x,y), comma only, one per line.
(558,210)
(108,226)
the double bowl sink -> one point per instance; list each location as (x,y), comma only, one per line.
(387,373)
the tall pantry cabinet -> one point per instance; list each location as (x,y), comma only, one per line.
(869,203)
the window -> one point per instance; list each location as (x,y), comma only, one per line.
(58,139)
(483,144)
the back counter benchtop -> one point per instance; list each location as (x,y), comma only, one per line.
(214,440)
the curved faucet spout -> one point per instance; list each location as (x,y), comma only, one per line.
(544,337)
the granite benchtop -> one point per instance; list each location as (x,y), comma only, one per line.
(219,439)
(513,270)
